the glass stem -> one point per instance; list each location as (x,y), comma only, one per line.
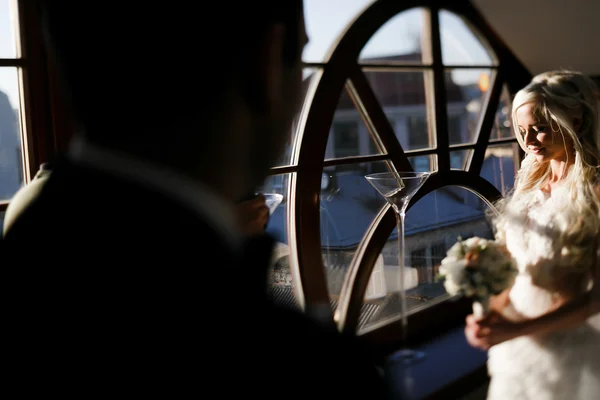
(400,229)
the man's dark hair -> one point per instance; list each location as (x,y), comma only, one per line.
(136,70)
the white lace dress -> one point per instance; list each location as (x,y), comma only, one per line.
(561,365)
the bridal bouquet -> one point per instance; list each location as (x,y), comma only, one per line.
(477,268)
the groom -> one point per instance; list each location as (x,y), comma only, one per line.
(132,278)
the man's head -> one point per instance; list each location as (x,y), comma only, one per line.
(207,90)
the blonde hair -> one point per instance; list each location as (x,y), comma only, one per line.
(561,98)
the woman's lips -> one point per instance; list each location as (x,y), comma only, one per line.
(536,150)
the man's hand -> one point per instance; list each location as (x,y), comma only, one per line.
(252,215)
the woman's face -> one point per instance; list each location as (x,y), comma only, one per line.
(539,136)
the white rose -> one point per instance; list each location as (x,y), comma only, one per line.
(474,242)
(449,260)
(451,287)
(454,270)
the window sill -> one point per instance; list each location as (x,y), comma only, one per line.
(451,369)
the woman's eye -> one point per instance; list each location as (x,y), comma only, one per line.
(540,129)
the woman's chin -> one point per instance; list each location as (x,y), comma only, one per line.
(541,156)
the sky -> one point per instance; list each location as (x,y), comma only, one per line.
(325,21)
(8,75)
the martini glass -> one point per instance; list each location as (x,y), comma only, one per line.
(398,188)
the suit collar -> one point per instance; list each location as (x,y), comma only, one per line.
(209,205)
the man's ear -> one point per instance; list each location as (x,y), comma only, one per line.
(274,67)
(265,72)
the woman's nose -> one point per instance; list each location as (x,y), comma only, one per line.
(530,136)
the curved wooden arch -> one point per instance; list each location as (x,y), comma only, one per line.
(342,67)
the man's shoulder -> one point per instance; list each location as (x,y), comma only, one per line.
(89,201)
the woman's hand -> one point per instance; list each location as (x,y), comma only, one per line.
(499,302)
(491,330)
(495,328)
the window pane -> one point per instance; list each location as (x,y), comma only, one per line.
(8,39)
(279,278)
(459,159)
(424,163)
(398,41)
(348,206)
(460,46)
(433,225)
(502,128)
(325,22)
(11,163)
(349,135)
(500,166)
(467,91)
(402,96)
(345,134)
(311,77)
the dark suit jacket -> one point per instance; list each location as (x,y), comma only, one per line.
(113,288)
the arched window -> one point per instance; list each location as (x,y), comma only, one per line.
(420,85)
(33,125)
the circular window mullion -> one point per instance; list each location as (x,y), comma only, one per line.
(350,304)
(342,69)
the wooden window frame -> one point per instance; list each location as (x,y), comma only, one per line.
(46,125)
(342,71)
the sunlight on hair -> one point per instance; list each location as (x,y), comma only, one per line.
(561,97)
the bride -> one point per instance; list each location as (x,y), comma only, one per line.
(543,334)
